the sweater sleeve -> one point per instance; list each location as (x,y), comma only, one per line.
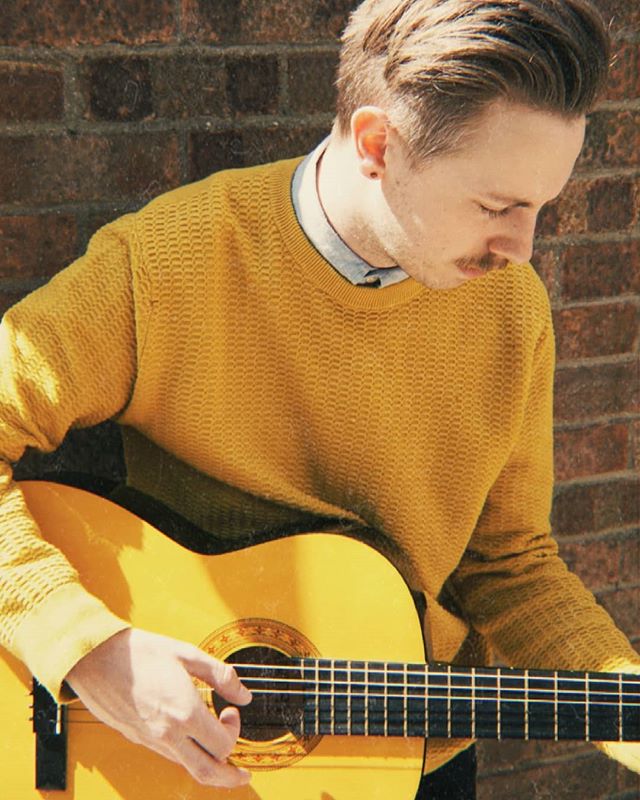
(68,359)
(511,582)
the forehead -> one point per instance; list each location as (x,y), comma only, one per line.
(517,154)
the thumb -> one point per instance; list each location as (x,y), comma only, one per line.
(230,718)
(222,677)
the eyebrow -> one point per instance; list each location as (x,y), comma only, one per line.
(508,201)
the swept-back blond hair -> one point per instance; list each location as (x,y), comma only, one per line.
(433,65)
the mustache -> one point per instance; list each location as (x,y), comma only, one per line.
(486,262)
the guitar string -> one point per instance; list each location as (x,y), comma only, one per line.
(323,694)
(431,686)
(627,679)
(329,694)
(512,723)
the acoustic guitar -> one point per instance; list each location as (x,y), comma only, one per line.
(325,633)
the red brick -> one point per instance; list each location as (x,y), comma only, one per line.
(613,140)
(174,86)
(622,15)
(601,390)
(189,86)
(264,20)
(494,756)
(548,222)
(567,214)
(312,82)
(611,204)
(278,141)
(592,776)
(30,92)
(36,246)
(97,219)
(600,330)
(624,78)
(118,89)
(209,152)
(602,269)
(624,607)
(546,261)
(592,507)
(618,503)
(597,564)
(573,510)
(628,781)
(591,451)
(60,23)
(635,445)
(8,298)
(65,168)
(253,85)
(630,560)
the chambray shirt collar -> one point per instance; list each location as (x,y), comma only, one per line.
(322,235)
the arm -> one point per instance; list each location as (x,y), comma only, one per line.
(69,357)
(511,582)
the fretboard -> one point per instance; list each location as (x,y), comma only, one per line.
(388,699)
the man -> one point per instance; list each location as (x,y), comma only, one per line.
(356,338)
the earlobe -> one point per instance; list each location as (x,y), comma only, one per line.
(369,129)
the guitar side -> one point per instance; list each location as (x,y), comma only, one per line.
(314,594)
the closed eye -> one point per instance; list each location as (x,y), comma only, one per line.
(495,213)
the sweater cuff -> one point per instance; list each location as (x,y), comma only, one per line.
(60,631)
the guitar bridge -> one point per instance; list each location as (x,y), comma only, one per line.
(50,728)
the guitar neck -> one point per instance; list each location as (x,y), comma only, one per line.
(389,699)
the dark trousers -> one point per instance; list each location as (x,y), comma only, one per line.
(456,780)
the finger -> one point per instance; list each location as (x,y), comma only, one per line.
(206,769)
(221,676)
(217,735)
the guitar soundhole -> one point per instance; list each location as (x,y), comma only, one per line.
(277,707)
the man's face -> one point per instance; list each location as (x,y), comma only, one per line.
(464,213)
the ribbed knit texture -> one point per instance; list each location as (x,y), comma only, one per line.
(208,324)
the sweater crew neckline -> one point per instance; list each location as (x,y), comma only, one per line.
(316,268)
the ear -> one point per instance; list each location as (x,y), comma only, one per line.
(370,131)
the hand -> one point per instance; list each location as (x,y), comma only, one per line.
(141,684)
(627,753)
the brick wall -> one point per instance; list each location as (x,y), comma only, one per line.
(103,105)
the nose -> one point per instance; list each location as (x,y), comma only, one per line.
(514,241)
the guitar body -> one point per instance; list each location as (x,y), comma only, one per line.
(308,595)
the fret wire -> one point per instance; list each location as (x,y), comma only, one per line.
(526,706)
(404,703)
(473,702)
(630,678)
(586,710)
(555,706)
(366,699)
(349,694)
(620,715)
(333,705)
(317,704)
(499,723)
(386,699)
(449,702)
(426,699)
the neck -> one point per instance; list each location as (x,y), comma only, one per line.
(384,699)
(348,200)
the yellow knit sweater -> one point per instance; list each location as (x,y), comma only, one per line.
(210,328)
